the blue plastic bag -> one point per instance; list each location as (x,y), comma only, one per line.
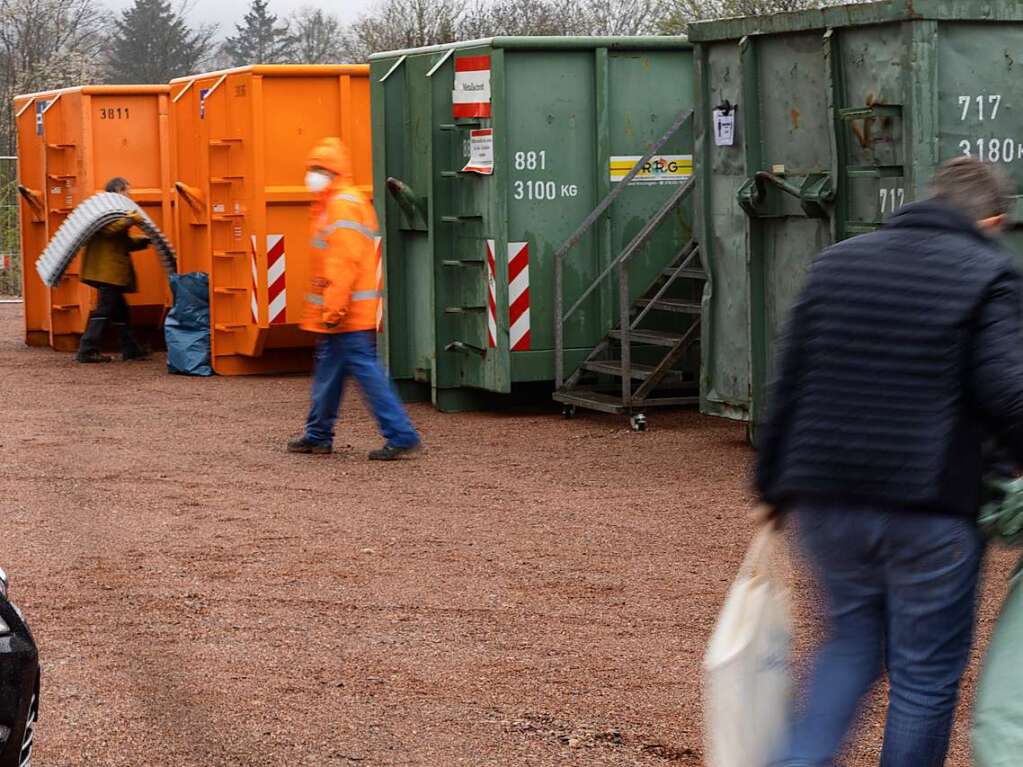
(187,327)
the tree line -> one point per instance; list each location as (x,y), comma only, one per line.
(47,44)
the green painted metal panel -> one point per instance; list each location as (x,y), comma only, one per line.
(850,110)
(563,113)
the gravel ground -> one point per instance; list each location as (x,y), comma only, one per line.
(528,591)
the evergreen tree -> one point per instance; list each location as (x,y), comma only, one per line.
(151,43)
(259,39)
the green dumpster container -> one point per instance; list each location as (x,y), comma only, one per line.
(815,126)
(487,155)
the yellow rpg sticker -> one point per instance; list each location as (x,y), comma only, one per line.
(661,169)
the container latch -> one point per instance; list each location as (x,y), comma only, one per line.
(815,194)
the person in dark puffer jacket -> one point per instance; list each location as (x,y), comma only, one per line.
(902,357)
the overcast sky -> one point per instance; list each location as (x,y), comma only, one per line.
(227,13)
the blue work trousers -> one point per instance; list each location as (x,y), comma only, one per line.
(339,356)
(901,591)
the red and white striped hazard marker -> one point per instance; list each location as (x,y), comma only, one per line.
(491,296)
(276,272)
(518,296)
(254,302)
(276,280)
(379,244)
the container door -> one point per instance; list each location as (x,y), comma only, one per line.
(472,269)
(128,136)
(402,151)
(66,168)
(237,285)
(32,189)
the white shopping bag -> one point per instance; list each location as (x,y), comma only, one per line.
(746,671)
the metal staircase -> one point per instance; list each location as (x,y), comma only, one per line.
(637,348)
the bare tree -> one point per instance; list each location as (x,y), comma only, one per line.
(491,18)
(318,37)
(622,17)
(680,13)
(397,24)
(47,44)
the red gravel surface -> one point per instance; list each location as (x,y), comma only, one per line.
(528,591)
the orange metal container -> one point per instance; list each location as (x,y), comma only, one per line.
(240,140)
(70,143)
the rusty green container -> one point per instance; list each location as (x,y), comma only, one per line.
(839,116)
(487,155)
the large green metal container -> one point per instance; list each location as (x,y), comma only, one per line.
(465,315)
(841,116)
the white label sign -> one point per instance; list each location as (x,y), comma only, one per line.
(471,87)
(481,152)
(661,168)
(724,127)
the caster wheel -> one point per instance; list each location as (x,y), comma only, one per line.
(568,411)
(638,422)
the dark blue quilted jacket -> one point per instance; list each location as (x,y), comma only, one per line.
(902,355)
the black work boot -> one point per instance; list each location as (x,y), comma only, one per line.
(305,445)
(391,452)
(130,348)
(88,349)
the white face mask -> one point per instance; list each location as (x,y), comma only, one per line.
(316,181)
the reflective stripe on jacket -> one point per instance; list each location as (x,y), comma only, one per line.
(345,293)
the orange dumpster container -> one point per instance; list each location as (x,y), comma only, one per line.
(70,143)
(240,140)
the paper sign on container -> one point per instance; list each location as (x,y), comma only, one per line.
(481,152)
(471,96)
(724,127)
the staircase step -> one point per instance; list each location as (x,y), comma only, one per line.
(614,368)
(606,402)
(690,274)
(673,305)
(591,400)
(652,337)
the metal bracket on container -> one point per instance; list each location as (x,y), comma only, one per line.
(192,196)
(392,70)
(815,194)
(870,115)
(464,348)
(35,202)
(414,209)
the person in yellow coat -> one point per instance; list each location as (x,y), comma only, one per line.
(343,307)
(107,267)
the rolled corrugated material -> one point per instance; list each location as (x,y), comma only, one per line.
(85,221)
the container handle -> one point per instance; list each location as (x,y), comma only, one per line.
(192,195)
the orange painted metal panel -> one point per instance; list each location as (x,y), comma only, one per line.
(70,143)
(240,139)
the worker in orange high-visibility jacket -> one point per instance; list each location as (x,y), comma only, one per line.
(343,307)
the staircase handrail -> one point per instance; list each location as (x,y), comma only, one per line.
(560,316)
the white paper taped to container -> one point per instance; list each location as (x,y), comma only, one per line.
(481,152)
(724,127)
(661,169)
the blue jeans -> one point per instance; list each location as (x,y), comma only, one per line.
(338,356)
(901,593)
